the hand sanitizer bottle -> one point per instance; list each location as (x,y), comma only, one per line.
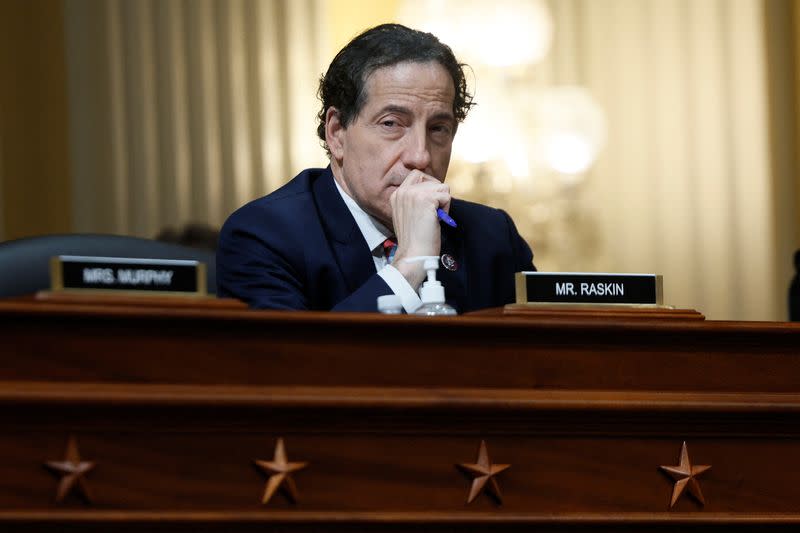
(432,292)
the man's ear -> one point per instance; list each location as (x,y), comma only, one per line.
(334,133)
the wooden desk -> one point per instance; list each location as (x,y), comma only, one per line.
(174,403)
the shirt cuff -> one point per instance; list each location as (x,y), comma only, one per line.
(401,287)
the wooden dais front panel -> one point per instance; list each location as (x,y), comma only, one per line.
(194,419)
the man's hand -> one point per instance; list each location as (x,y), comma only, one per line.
(416,224)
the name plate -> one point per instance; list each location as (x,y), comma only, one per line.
(589,288)
(129,275)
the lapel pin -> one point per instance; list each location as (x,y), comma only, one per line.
(449,262)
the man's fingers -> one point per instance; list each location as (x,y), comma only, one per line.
(417,176)
(413,177)
(444,201)
(433,192)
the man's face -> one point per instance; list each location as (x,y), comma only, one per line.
(406,124)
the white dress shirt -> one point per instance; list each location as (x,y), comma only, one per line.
(375,234)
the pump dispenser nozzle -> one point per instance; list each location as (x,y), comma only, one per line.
(432,292)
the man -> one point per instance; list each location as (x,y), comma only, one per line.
(391,103)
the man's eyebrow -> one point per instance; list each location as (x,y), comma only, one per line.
(402,110)
(442,115)
(393,108)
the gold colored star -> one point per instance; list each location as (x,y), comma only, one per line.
(483,474)
(71,470)
(279,471)
(685,476)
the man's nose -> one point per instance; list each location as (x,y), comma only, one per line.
(417,155)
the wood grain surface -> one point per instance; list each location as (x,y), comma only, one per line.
(173,404)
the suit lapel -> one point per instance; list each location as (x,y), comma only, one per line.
(347,243)
(454,282)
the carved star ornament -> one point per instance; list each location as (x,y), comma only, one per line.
(483,473)
(72,471)
(279,471)
(685,475)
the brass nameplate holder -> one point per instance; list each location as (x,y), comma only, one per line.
(125,275)
(589,289)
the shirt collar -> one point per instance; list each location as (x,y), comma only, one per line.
(373,231)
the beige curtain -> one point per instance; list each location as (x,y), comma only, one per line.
(183,110)
(683,187)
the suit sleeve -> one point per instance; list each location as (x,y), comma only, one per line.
(251,268)
(365,298)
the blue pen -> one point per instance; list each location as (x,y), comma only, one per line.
(444,217)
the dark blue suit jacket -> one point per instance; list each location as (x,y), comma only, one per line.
(300,248)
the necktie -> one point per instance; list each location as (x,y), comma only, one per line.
(389,248)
